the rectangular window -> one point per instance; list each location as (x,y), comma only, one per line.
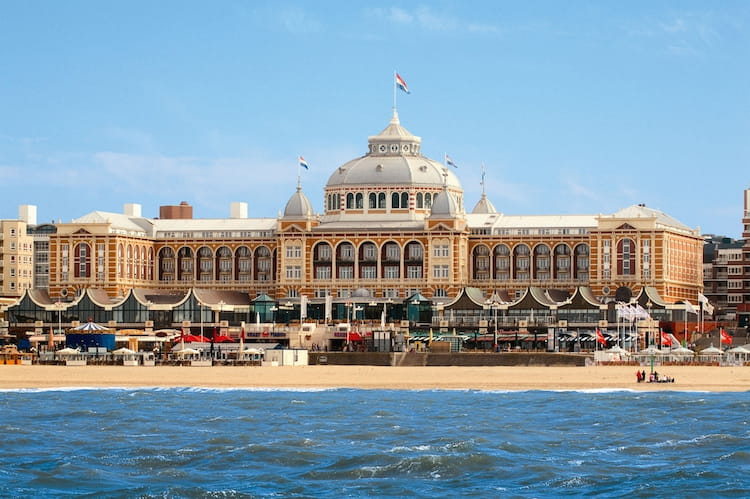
(414,272)
(323,273)
(392,252)
(347,252)
(324,252)
(370,252)
(391,272)
(293,251)
(294,272)
(440,272)
(346,272)
(369,272)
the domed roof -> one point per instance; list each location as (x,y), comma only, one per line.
(484,206)
(298,205)
(394,158)
(444,205)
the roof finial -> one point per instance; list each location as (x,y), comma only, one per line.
(482,183)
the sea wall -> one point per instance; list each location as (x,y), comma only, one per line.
(446,359)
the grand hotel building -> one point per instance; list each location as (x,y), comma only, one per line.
(394,223)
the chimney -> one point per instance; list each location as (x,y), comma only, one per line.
(27,213)
(238,210)
(184,211)
(132,210)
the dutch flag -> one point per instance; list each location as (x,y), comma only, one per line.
(400,83)
(449,162)
(303,163)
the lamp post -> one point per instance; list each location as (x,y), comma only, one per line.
(58,306)
(273,310)
(200,312)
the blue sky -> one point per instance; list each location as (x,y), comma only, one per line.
(574,107)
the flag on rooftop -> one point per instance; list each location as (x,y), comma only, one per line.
(449,161)
(303,163)
(400,83)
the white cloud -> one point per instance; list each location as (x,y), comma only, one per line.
(298,21)
(426,18)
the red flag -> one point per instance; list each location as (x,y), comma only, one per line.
(600,337)
(666,341)
(725,338)
(242,332)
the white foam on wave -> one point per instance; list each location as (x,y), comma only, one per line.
(164,388)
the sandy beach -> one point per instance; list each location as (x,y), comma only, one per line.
(687,378)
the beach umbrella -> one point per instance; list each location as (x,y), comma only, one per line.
(68,351)
(90,326)
(123,351)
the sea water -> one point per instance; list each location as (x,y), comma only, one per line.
(181,442)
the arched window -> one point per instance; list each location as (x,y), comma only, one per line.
(502,262)
(427,200)
(404,200)
(359,201)
(420,202)
(205,263)
(243,264)
(368,261)
(541,262)
(129,261)
(414,256)
(263,270)
(143,263)
(390,261)
(166,264)
(562,261)
(372,200)
(120,260)
(345,261)
(185,264)
(149,269)
(381,200)
(395,200)
(350,201)
(521,258)
(481,259)
(321,257)
(581,267)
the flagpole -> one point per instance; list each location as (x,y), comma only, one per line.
(395,107)
(299,172)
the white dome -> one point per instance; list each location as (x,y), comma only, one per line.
(484,206)
(298,205)
(444,206)
(394,159)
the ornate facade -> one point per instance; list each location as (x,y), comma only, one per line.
(393,224)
